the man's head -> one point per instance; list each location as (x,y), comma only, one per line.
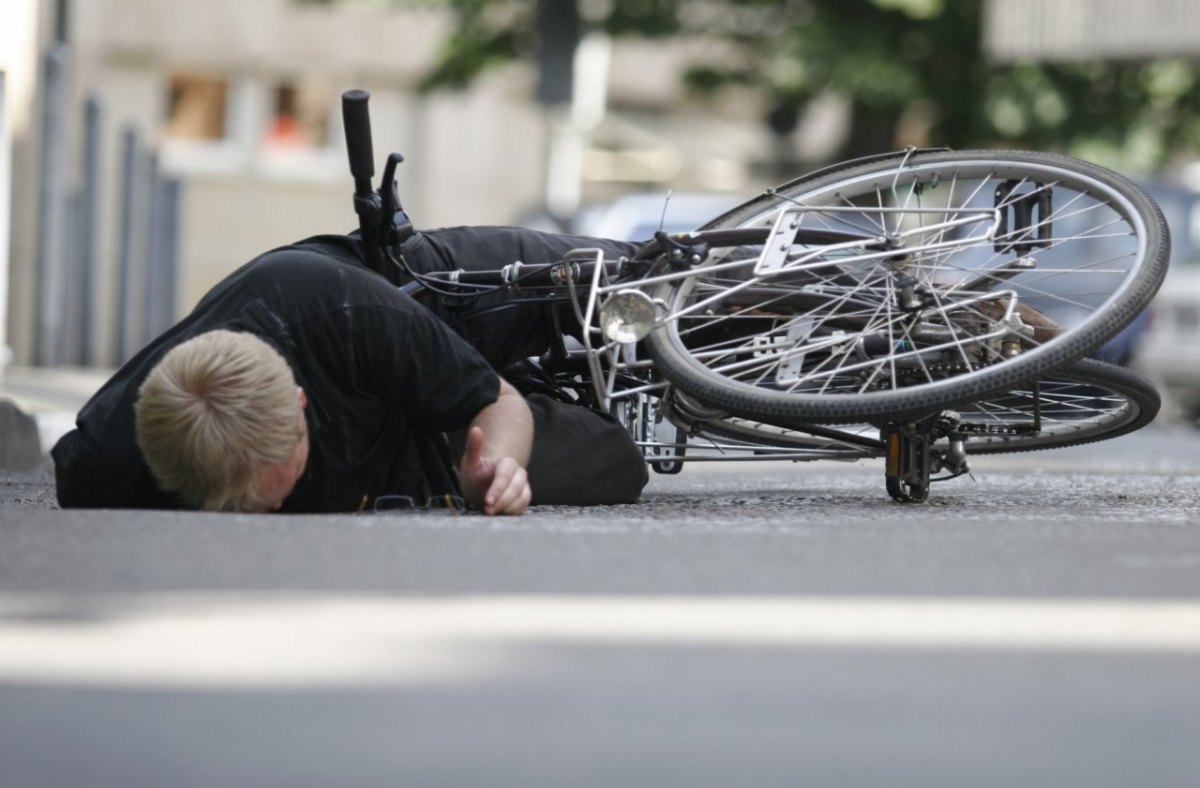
(220,421)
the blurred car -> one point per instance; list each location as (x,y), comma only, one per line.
(1168,351)
(637,216)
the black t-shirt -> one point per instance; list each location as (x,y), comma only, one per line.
(377,367)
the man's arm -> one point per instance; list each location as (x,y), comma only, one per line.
(492,471)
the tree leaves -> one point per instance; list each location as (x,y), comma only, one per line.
(911,65)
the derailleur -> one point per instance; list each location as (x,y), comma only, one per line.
(913,458)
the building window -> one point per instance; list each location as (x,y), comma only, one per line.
(197,108)
(299,117)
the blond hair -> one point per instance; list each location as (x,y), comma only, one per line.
(212,414)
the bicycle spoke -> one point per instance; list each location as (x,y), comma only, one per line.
(968,266)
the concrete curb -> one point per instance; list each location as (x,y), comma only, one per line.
(20,441)
(49,398)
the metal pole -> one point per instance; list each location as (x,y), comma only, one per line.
(5,190)
(89,208)
(125,252)
(52,198)
(69,296)
(151,244)
(168,252)
(175,197)
(61,14)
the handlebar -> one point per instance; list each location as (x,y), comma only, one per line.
(381,219)
(357,121)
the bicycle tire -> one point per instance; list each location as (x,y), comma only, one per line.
(828,341)
(1087,402)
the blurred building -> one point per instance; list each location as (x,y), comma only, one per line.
(240,100)
(1088,29)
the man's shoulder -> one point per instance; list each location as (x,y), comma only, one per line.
(344,248)
(319,254)
(323,267)
(317,285)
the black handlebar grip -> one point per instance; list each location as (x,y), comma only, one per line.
(357,122)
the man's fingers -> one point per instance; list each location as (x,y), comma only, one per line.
(521,503)
(509,492)
(503,481)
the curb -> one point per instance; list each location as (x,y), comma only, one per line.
(46,399)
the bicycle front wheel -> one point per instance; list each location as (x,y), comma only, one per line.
(901,285)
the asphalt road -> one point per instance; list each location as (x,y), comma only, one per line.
(758,625)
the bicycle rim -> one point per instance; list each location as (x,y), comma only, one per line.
(1087,402)
(975,271)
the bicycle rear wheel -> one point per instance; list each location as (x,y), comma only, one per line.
(1087,402)
(957,276)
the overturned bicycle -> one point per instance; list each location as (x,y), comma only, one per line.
(918,307)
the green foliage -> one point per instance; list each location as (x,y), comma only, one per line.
(903,64)
(486,33)
(649,18)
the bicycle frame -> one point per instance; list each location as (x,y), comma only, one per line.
(649,407)
(670,434)
(611,365)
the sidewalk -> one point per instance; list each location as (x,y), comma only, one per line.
(51,395)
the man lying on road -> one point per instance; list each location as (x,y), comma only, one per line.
(306,382)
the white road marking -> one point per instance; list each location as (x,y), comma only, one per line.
(265,640)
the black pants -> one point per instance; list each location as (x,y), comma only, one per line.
(503,326)
(580,457)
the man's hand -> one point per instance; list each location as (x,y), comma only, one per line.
(496,485)
(492,471)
